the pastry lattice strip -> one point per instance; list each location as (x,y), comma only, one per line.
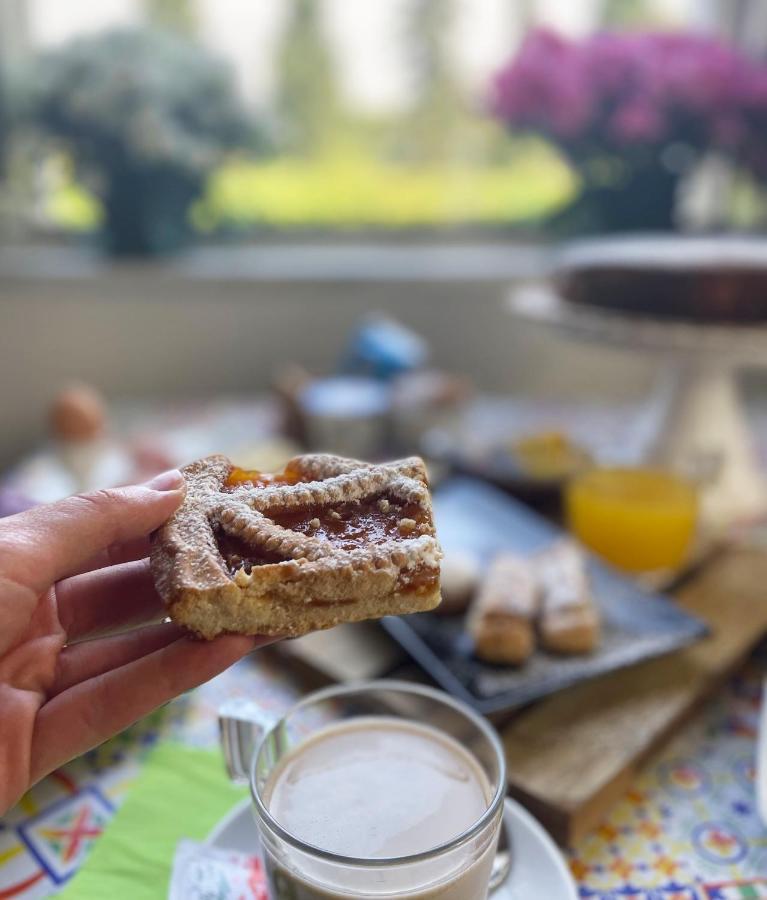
(356,484)
(297,580)
(240,521)
(243,513)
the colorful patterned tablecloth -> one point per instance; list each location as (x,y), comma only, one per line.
(45,839)
(687,830)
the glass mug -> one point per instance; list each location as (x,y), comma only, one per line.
(457,869)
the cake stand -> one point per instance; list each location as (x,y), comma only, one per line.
(703,429)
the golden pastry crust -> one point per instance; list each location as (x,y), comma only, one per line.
(460,573)
(503,640)
(502,617)
(331,540)
(570,621)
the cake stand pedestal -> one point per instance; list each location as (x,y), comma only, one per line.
(703,430)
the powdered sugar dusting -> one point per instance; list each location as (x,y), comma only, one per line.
(243,513)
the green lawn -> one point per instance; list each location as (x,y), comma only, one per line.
(351,190)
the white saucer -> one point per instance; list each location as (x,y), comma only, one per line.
(538,869)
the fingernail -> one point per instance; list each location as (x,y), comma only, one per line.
(171,480)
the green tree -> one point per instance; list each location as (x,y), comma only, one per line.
(626,14)
(439,109)
(175,15)
(14,44)
(306,96)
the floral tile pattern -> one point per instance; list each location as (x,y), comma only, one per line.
(687,830)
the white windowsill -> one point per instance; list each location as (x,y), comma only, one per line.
(292,261)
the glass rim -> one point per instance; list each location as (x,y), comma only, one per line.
(329,693)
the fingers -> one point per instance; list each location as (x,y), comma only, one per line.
(44,544)
(91,658)
(116,554)
(85,715)
(105,600)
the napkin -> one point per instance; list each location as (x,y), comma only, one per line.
(201,872)
(181,793)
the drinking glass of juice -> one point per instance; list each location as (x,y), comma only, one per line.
(638,519)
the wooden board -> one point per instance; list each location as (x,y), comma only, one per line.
(573,755)
(346,653)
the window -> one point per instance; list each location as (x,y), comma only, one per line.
(367,115)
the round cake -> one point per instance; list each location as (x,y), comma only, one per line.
(713,279)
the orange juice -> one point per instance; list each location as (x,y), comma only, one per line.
(638,519)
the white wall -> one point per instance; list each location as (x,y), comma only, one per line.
(147,334)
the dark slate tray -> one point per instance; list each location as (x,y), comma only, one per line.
(637,625)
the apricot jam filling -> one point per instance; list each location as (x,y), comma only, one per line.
(253,478)
(239,554)
(351,525)
(418,581)
(357,524)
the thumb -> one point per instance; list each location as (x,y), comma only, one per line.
(47,543)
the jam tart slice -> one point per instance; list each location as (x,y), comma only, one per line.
(328,540)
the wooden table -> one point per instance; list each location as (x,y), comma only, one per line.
(572,755)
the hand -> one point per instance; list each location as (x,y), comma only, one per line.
(79,657)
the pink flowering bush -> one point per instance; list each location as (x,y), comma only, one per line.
(635,111)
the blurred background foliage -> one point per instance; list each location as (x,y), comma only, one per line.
(320,162)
